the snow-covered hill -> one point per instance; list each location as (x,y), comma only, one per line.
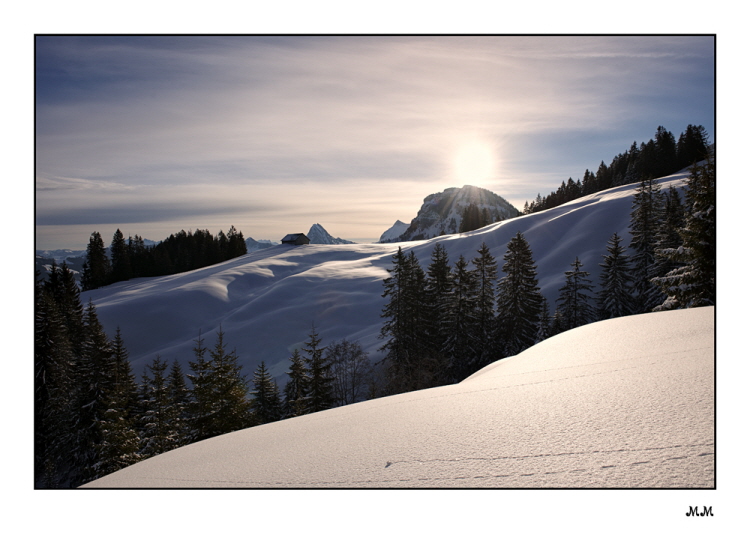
(624,403)
(318,235)
(267,301)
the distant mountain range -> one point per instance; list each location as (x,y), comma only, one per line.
(442,213)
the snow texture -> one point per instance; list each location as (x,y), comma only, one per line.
(622,403)
(267,301)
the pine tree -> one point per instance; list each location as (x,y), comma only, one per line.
(265,402)
(319,370)
(575,307)
(231,408)
(693,282)
(296,399)
(96,269)
(645,219)
(545,322)
(519,299)
(201,402)
(438,293)
(156,421)
(668,235)
(485,272)
(615,296)
(692,147)
(121,269)
(461,344)
(179,399)
(53,382)
(94,375)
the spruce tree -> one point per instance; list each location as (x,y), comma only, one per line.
(156,421)
(231,408)
(668,235)
(265,402)
(96,269)
(201,402)
(438,292)
(319,370)
(485,272)
(645,218)
(296,398)
(461,345)
(615,297)
(121,269)
(179,399)
(94,375)
(351,371)
(519,299)
(575,301)
(693,282)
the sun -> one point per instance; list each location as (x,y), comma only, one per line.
(474,163)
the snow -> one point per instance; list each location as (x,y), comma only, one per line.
(623,403)
(394,232)
(267,301)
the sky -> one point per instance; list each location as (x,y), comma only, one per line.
(271,134)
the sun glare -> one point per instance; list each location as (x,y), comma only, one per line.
(474,163)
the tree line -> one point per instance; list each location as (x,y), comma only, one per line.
(92,418)
(659,157)
(443,324)
(180,252)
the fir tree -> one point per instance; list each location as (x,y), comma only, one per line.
(693,282)
(575,307)
(319,370)
(645,219)
(668,235)
(265,402)
(96,269)
(94,374)
(296,399)
(519,300)
(121,269)
(231,408)
(179,399)
(461,344)
(485,272)
(615,297)
(438,293)
(200,405)
(156,421)
(545,322)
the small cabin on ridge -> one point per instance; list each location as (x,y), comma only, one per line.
(295,239)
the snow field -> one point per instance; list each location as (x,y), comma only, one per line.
(624,403)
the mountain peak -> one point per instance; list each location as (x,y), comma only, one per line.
(318,235)
(442,213)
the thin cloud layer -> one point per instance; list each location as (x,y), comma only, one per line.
(296,130)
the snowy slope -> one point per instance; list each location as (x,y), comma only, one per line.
(624,403)
(267,301)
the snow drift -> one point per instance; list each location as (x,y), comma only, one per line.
(623,403)
(267,301)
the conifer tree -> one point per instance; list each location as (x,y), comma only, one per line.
(96,269)
(265,402)
(53,382)
(575,307)
(156,421)
(296,399)
(179,399)
(319,370)
(94,374)
(121,269)
(438,292)
(231,408)
(645,219)
(519,299)
(693,282)
(615,296)
(201,403)
(668,235)
(545,322)
(461,345)
(485,271)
